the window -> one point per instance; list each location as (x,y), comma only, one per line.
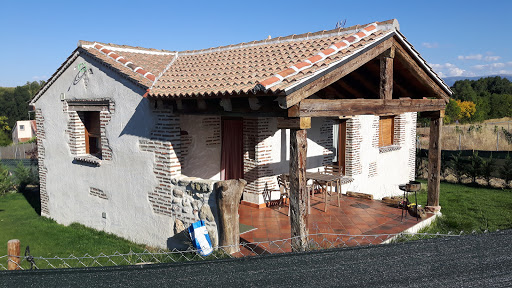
(22,127)
(91,121)
(386,130)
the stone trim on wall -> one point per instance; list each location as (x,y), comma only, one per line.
(75,130)
(399,130)
(372,169)
(43,171)
(412,150)
(326,140)
(376,129)
(258,155)
(97,193)
(353,149)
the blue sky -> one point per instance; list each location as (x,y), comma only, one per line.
(458,38)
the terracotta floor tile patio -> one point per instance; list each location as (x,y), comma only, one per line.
(355,217)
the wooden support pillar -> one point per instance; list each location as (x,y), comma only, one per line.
(386,74)
(13,250)
(298,189)
(434,158)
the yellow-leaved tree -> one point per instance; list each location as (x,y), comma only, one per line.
(467,109)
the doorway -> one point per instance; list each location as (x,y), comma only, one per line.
(232,149)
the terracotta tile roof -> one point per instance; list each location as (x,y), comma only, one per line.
(141,65)
(268,64)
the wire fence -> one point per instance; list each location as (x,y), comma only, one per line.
(315,242)
(19,151)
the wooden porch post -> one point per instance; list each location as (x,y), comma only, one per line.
(298,189)
(434,158)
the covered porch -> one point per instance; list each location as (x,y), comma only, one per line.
(357,222)
(372,93)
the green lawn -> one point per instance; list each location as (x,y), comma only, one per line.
(467,208)
(46,238)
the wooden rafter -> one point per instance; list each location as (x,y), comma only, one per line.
(332,76)
(417,72)
(365,82)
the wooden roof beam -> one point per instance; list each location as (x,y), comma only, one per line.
(351,107)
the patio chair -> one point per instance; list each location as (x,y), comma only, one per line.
(337,171)
(268,193)
(284,185)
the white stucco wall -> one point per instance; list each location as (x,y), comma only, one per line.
(126,179)
(202,146)
(392,168)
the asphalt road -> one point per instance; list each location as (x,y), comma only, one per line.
(469,261)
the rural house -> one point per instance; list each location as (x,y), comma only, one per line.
(23,131)
(132,140)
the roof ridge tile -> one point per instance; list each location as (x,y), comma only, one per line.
(118,58)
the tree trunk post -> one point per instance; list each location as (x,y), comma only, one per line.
(13,251)
(434,159)
(298,189)
(229,193)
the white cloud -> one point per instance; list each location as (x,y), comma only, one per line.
(480,57)
(449,69)
(491,66)
(492,58)
(430,45)
(471,57)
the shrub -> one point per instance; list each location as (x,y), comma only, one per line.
(23,176)
(458,166)
(5,180)
(506,170)
(487,169)
(474,169)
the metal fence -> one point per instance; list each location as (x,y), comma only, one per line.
(315,242)
(19,151)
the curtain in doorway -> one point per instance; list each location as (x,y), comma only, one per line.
(232,160)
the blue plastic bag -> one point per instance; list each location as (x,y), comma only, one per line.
(200,238)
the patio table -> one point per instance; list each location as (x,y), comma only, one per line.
(323,180)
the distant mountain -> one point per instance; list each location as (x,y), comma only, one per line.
(451,80)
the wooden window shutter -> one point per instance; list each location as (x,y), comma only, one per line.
(386,131)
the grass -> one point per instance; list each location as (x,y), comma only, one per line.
(46,238)
(467,208)
(476,136)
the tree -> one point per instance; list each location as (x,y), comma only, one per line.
(458,166)
(467,109)
(474,169)
(5,138)
(452,112)
(5,180)
(487,169)
(506,170)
